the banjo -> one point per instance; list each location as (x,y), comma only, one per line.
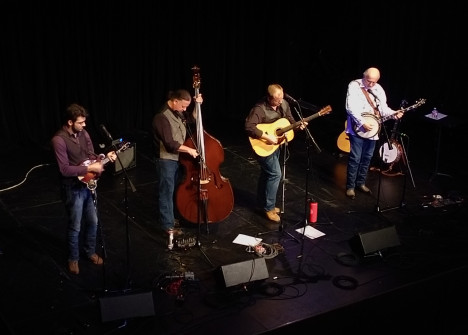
(390,151)
(376,122)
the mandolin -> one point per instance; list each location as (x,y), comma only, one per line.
(90,178)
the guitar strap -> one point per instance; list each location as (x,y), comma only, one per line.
(369,100)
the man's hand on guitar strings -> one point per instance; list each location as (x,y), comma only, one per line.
(271,139)
(111,155)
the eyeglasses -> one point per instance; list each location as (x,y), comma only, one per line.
(371,82)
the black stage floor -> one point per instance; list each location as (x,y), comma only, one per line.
(393,261)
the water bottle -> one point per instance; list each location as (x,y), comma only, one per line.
(435,113)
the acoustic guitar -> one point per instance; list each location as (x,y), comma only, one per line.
(343,140)
(282,129)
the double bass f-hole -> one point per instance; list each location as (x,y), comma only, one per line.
(205,195)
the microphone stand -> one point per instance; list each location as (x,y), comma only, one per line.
(283,182)
(127,233)
(307,200)
(127,287)
(383,160)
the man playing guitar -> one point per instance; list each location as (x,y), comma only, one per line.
(271,108)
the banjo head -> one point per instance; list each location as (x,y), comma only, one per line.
(373,121)
(390,155)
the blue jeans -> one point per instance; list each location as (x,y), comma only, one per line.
(168,177)
(80,207)
(268,181)
(359,160)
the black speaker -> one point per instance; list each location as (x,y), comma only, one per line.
(126,306)
(370,242)
(127,157)
(243,272)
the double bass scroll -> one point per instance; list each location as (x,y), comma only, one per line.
(204,196)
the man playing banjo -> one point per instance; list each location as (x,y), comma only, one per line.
(366,107)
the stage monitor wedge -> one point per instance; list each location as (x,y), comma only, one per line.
(375,241)
(243,272)
(126,306)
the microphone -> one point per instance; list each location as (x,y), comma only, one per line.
(104,130)
(375,97)
(288,97)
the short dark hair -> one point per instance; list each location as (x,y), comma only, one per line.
(73,111)
(180,94)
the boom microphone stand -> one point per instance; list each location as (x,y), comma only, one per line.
(405,162)
(127,182)
(127,232)
(307,201)
(127,287)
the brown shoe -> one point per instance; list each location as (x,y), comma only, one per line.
(364,188)
(96,259)
(73,267)
(277,210)
(350,193)
(273,216)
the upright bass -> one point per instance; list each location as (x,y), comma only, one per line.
(205,196)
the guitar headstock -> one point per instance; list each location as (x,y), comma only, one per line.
(196,76)
(325,110)
(124,147)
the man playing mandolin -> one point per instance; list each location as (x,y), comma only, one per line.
(72,146)
(366,105)
(269,109)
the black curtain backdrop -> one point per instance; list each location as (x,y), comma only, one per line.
(119,59)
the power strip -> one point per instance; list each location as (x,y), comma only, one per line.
(187,276)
